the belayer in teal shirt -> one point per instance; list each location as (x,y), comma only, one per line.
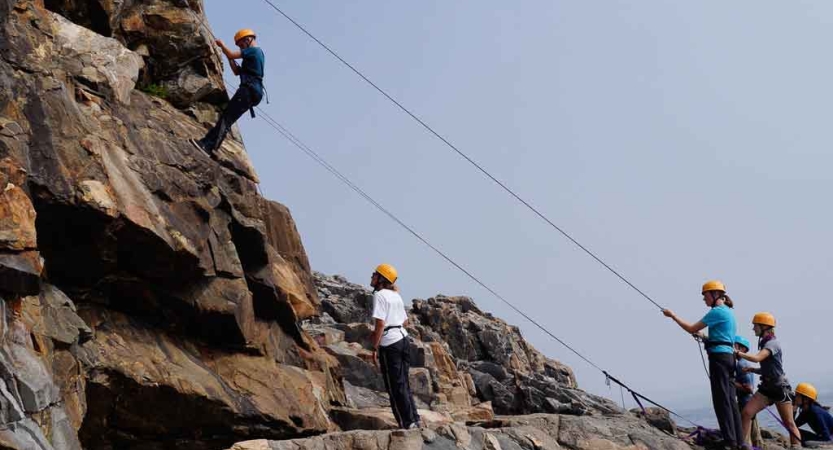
(720,346)
(248,95)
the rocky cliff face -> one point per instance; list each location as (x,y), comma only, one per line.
(150,295)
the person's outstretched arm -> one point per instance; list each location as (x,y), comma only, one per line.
(756,358)
(689,327)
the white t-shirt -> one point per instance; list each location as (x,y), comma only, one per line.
(388,306)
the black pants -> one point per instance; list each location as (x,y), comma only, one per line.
(244,99)
(395,360)
(724,397)
(810,436)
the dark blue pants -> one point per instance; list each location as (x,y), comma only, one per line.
(244,99)
(395,360)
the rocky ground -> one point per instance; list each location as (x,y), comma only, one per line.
(151,299)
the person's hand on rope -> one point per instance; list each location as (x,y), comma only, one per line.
(699,336)
(668,313)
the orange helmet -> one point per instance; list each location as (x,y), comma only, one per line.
(244,33)
(713,285)
(764,318)
(388,272)
(807,390)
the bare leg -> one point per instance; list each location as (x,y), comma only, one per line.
(756,404)
(785,410)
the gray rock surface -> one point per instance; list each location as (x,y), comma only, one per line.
(344,301)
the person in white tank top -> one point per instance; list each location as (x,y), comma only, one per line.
(391,346)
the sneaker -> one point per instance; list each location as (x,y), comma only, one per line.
(415,426)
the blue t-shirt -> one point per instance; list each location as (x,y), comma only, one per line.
(744,378)
(722,328)
(252,68)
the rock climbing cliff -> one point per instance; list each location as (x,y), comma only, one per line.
(150,295)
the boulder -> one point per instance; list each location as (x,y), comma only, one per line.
(659,418)
(363,398)
(344,301)
(102,63)
(421,385)
(357,365)
(482,412)
(381,418)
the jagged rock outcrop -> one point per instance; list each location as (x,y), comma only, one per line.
(342,300)
(150,296)
(462,356)
(503,367)
(171,38)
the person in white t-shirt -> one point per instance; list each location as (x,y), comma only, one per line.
(391,346)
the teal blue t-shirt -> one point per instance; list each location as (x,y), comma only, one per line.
(253,67)
(722,327)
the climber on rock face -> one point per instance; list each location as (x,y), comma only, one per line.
(812,414)
(248,95)
(391,343)
(720,345)
(774,387)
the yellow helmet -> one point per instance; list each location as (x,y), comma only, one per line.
(244,33)
(388,272)
(713,285)
(807,390)
(764,318)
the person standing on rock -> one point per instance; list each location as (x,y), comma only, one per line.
(720,345)
(391,346)
(248,95)
(812,414)
(774,387)
(745,387)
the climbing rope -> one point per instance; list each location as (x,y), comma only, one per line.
(344,179)
(466,157)
(702,358)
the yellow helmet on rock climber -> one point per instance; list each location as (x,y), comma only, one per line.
(243,33)
(387,272)
(713,285)
(763,318)
(807,390)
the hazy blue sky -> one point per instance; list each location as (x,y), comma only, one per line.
(680,141)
